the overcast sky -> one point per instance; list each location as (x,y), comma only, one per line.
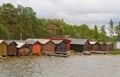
(78,12)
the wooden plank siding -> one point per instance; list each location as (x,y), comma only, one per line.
(95,46)
(36,49)
(12,49)
(34,46)
(86,46)
(80,45)
(48,47)
(60,46)
(24,50)
(103,46)
(3,48)
(64,39)
(110,46)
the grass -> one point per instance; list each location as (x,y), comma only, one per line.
(115,52)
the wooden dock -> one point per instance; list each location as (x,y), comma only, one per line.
(60,55)
(57,54)
(87,53)
(99,52)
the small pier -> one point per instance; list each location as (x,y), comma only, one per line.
(57,54)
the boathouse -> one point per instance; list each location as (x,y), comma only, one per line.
(11,48)
(80,45)
(34,46)
(3,48)
(60,46)
(95,46)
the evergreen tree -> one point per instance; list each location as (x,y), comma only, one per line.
(118,31)
(96,33)
(111,28)
(111,31)
(102,35)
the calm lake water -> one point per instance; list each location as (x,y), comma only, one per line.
(74,66)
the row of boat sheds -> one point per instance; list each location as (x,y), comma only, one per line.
(51,46)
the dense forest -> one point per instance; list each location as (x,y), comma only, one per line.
(21,23)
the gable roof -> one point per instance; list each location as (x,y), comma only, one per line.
(94,42)
(20,41)
(20,44)
(42,41)
(30,41)
(10,41)
(78,41)
(1,41)
(57,41)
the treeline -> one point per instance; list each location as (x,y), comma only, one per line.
(21,23)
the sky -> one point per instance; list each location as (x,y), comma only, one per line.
(75,12)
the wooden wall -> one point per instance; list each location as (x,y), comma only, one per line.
(62,47)
(87,46)
(24,50)
(12,49)
(3,49)
(48,47)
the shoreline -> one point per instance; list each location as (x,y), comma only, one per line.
(69,55)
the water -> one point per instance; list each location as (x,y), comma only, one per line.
(74,66)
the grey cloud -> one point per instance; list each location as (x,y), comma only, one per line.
(75,11)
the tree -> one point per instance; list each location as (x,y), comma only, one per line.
(7,13)
(69,31)
(7,17)
(96,33)
(21,23)
(117,28)
(3,32)
(102,35)
(39,28)
(54,28)
(111,31)
(111,28)
(24,19)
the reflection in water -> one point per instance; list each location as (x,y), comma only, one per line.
(75,66)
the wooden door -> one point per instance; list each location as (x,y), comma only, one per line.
(4,49)
(36,49)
